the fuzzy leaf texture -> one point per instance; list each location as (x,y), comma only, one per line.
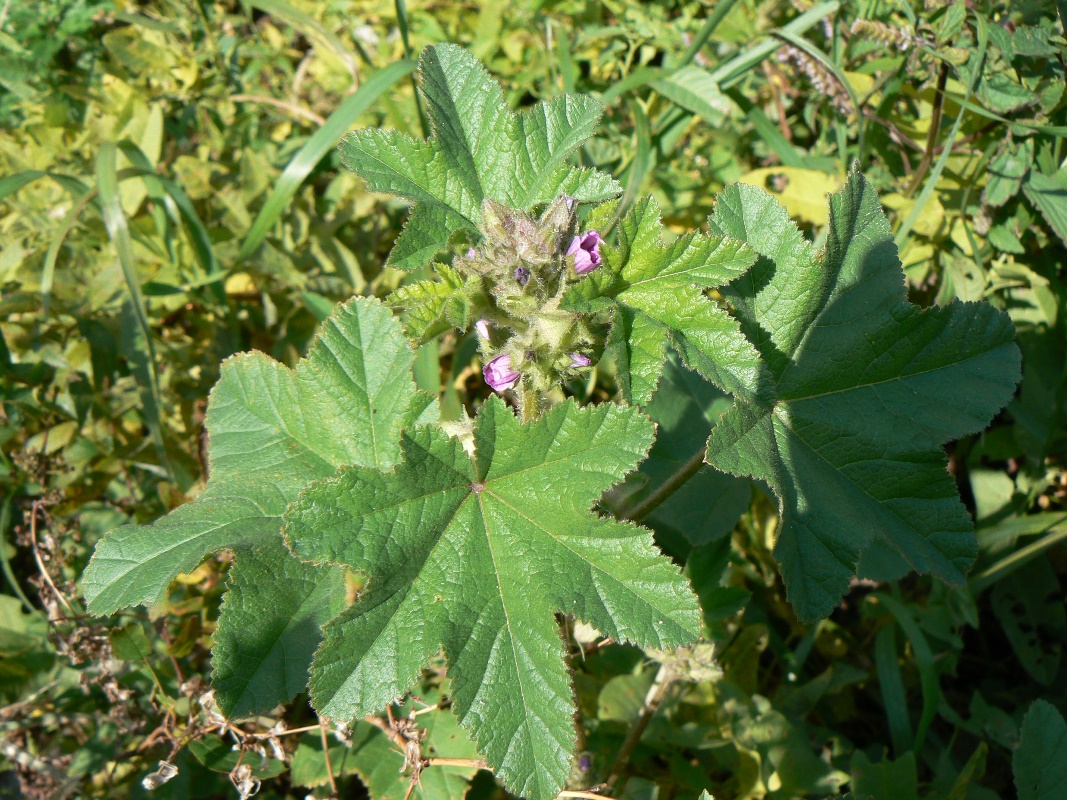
(480,149)
(272,431)
(475,554)
(432,307)
(868,386)
(656,291)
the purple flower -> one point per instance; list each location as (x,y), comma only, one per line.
(470,253)
(580,360)
(522,275)
(499,374)
(586,251)
(482,326)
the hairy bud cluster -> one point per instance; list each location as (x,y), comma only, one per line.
(525,264)
(695,663)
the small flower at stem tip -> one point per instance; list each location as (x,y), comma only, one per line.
(580,360)
(482,326)
(586,251)
(499,374)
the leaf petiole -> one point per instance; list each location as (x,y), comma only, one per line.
(667,488)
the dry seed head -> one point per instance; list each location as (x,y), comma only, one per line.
(821,78)
(889,35)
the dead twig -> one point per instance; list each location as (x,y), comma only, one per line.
(34,508)
(292,108)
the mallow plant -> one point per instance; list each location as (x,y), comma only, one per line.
(473,538)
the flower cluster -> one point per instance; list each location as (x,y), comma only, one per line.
(520,270)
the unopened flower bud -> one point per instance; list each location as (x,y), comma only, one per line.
(580,360)
(482,326)
(499,374)
(586,251)
(522,275)
(559,217)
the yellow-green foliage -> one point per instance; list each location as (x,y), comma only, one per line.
(171,194)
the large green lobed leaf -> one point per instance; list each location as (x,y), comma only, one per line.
(480,150)
(272,431)
(476,554)
(868,387)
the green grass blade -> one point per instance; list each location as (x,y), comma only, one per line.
(5,564)
(641,164)
(310,27)
(717,15)
(966,104)
(202,245)
(1007,565)
(734,69)
(635,80)
(315,148)
(117,228)
(891,683)
(48,270)
(402,22)
(197,230)
(12,183)
(827,63)
(568,70)
(768,131)
(929,680)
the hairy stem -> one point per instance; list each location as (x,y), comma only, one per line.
(529,402)
(668,487)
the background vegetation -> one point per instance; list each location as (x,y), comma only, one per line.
(171,195)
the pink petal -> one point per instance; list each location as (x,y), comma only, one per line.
(499,374)
(583,262)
